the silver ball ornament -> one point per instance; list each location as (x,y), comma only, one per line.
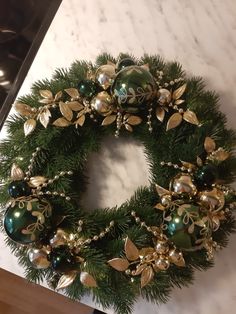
(38,258)
(102,103)
(183,183)
(105,75)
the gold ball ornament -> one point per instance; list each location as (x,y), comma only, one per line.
(176,257)
(183,184)
(161,247)
(164,96)
(105,75)
(166,200)
(38,258)
(213,199)
(102,103)
(162,263)
(59,238)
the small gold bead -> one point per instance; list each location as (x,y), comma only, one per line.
(80,222)
(107,229)
(95,238)
(68,198)
(133,213)
(102,234)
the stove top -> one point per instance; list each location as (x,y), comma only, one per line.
(23,25)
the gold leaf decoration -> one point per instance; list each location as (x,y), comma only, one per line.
(66,110)
(61,122)
(37,181)
(188,165)
(46,94)
(190,117)
(179,102)
(44,117)
(221,155)
(109,120)
(199,161)
(58,96)
(128,127)
(134,120)
(120,264)
(139,269)
(174,121)
(16,173)
(159,206)
(161,191)
(88,280)
(66,280)
(160,114)
(75,105)
(72,92)
(81,120)
(147,275)
(23,109)
(179,92)
(29,126)
(209,145)
(131,251)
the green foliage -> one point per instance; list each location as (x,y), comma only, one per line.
(66,149)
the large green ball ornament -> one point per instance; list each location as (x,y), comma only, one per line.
(27,220)
(123,63)
(87,88)
(102,103)
(105,75)
(182,184)
(134,88)
(18,189)
(62,260)
(205,176)
(181,230)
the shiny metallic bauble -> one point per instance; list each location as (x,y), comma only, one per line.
(183,184)
(213,199)
(162,263)
(164,96)
(176,257)
(161,247)
(105,75)
(59,238)
(166,200)
(102,103)
(38,258)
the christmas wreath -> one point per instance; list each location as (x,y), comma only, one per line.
(153,241)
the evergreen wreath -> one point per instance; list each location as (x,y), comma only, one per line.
(155,240)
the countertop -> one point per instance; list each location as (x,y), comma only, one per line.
(199,34)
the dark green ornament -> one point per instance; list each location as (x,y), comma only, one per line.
(123,63)
(88,88)
(27,220)
(134,88)
(205,176)
(62,260)
(178,228)
(18,189)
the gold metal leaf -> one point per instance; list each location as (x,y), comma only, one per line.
(209,145)
(29,126)
(128,127)
(146,251)
(188,165)
(81,120)
(61,122)
(139,269)
(46,94)
(72,92)
(75,105)
(23,109)
(109,120)
(120,264)
(58,96)
(179,102)
(179,92)
(145,66)
(174,121)
(134,120)
(44,117)
(147,276)
(190,117)
(66,280)
(37,181)
(160,113)
(161,191)
(66,110)
(159,206)
(199,161)
(221,155)
(131,251)
(16,173)
(88,280)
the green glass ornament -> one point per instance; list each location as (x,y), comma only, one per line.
(134,88)
(18,189)
(123,63)
(62,260)
(87,88)
(27,220)
(205,176)
(181,230)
